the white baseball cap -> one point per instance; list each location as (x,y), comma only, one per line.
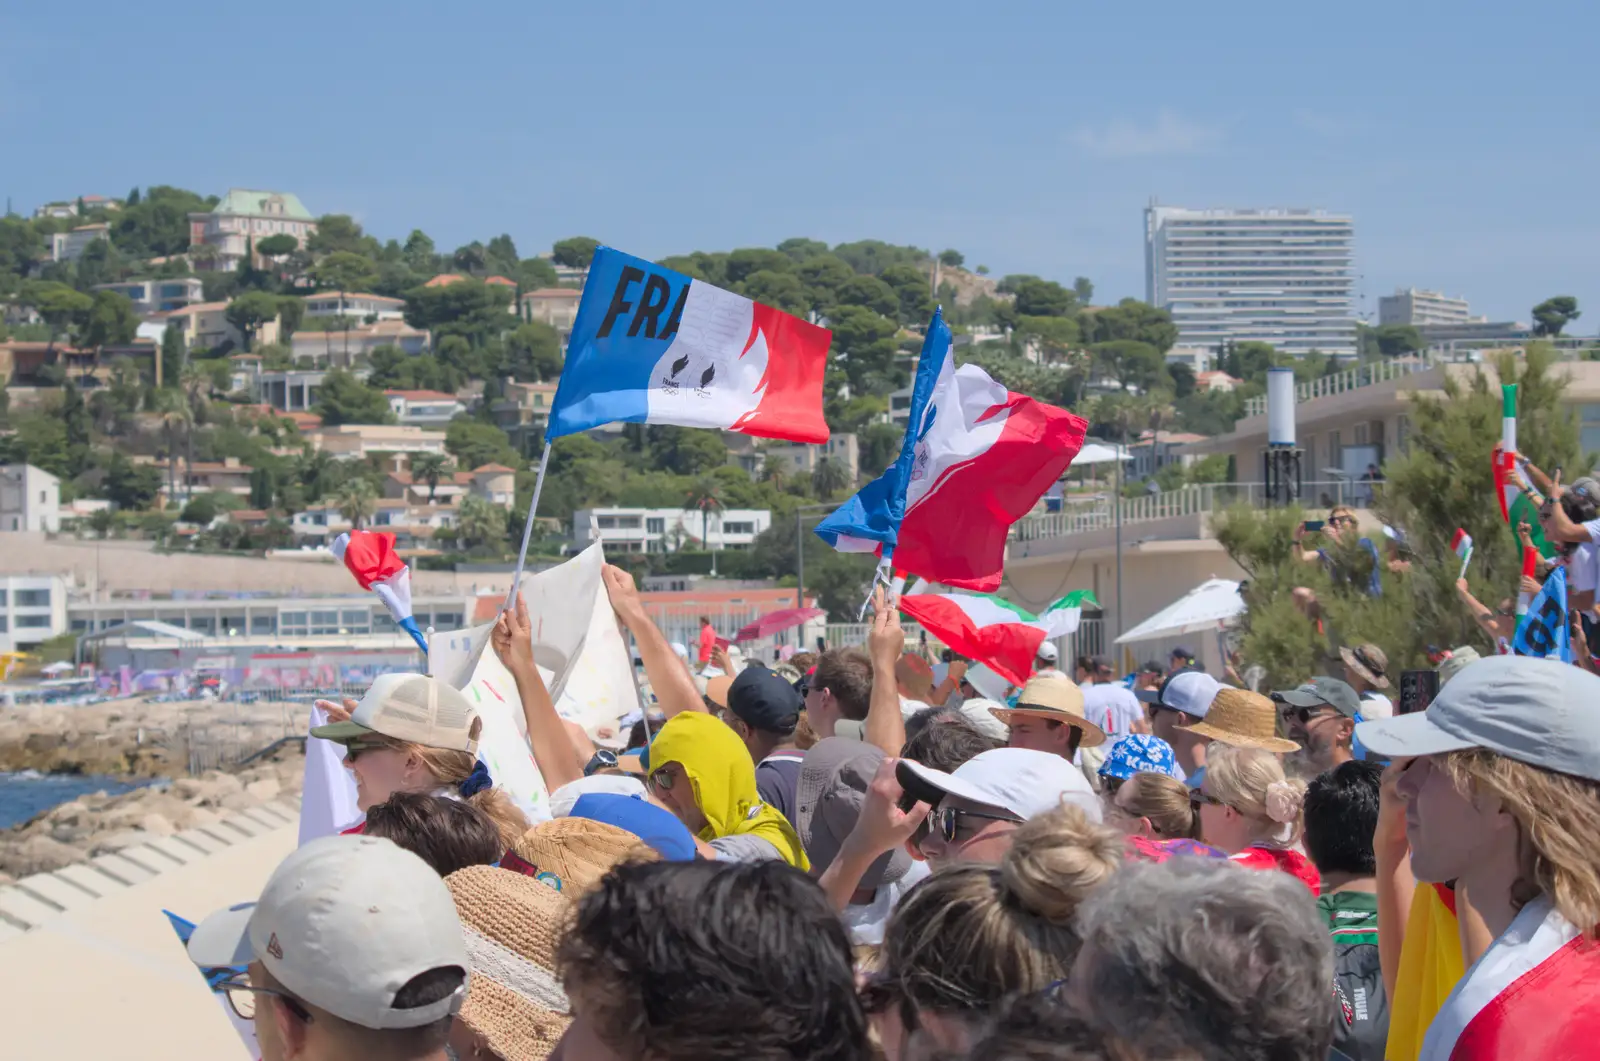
(344,923)
(563,798)
(1020,781)
(417,708)
(1047,651)
(1189,691)
(989,684)
(1535,711)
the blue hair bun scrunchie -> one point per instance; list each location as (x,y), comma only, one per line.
(476,781)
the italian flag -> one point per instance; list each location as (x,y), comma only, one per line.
(1519,501)
(993,630)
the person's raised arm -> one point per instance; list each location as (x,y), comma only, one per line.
(885,726)
(553,749)
(881,826)
(1396,887)
(669,677)
(952,682)
(1481,613)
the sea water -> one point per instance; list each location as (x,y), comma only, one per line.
(27,792)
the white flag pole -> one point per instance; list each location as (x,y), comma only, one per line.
(527,528)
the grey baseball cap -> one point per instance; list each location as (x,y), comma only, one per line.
(1318,691)
(1535,711)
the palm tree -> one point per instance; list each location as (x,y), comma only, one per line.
(312,470)
(357,501)
(429,468)
(706,495)
(480,522)
(196,383)
(175,415)
(829,477)
(1158,412)
(774,470)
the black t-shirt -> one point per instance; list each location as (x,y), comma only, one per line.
(777,777)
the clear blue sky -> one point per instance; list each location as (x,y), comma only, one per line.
(1029,136)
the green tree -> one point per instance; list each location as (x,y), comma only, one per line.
(291,314)
(783,290)
(110,321)
(911,289)
(869,292)
(250,311)
(1132,363)
(481,524)
(800,250)
(829,477)
(1044,298)
(130,486)
(419,253)
(705,496)
(1083,290)
(684,450)
(1554,314)
(277,245)
(533,352)
(357,501)
(201,509)
(952,258)
(1132,319)
(474,443)
(344,399)
(158,224)
(575,252)
(339,233)
(429,468)
(173,355)
(263,487)
(98,264)
(471,309)
(535,273)
(1056,337)
(865,345)
(57,304)
(874,256)
(822,277)
(1396,340)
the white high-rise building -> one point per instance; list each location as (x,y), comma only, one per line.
(1274,276)
(1410,306)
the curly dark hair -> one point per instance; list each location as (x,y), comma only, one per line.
(706,960)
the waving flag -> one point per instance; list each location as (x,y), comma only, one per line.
(1530,569)
(975,459)
(652,346)
(1544,632)
(370,556)
(993,630)
(1461,545)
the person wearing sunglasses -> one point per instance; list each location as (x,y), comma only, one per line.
(352,951)
(1321,717)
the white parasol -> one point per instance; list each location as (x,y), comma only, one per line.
(1209,604)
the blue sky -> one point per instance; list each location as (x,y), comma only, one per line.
(1029,136)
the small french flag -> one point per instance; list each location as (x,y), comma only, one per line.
(370,556)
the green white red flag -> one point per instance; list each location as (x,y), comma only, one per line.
(993,630)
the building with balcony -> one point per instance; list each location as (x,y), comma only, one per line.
(357,441)
(30,499)
(343,347)
(555,306)
(159,296)
(227,476)
(243,218)
(69,246)
(1417,308)
(522,410)
(205,326)
(1282,277)
(361,307)
(801,459)
(424,408)
(33,609)
(666,530)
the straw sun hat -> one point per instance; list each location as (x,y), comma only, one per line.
(1058,700)
(570,855)
(511,925)
(1244,719)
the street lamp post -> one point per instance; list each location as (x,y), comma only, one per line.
(800,549)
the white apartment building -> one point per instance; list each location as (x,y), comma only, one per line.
(159,296)
(352,304)
(1283,277)
(555,306)
(666,530)
(30,499)
(244,217)
(33,608)
(359,441)
(1420,308)
(424,408)
(69,246)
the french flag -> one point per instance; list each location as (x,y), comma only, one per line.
(975,459)
(652,346)
(370,556)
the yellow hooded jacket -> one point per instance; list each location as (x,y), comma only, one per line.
(724,779)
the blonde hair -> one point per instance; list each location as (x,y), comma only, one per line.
(450,768)
(1165,801)
(1252,782)
(970,935)
(1558,816)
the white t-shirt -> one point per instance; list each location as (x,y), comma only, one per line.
(865,921)
(1376,705)
(1112,707)
(1583,566)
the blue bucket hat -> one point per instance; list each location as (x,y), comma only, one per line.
(1139,753)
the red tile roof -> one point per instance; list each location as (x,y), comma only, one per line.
(421,396)
(500,281)
(444,280)
(492,468)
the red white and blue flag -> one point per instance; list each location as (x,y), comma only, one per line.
(975,459)
(370,556)
(652,346)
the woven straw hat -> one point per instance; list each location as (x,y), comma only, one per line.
(1244,719)
(511,925)
(1057,699)
(570,855)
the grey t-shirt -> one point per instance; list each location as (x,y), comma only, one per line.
(744,847)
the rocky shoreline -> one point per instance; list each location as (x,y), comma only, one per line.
(140,740)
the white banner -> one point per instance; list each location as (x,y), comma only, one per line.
(328,794)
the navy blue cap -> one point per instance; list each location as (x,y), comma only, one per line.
(762,700)
(648,822)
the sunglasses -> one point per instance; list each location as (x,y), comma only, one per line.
(1302,715)
(948,820)
(1201,797)
(663,779)
(355,749)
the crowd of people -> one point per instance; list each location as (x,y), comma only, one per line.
(853,856)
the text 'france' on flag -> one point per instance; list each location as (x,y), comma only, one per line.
(652,346)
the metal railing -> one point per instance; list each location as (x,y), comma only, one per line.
(854,635)
(1351,379)
(1101,514)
